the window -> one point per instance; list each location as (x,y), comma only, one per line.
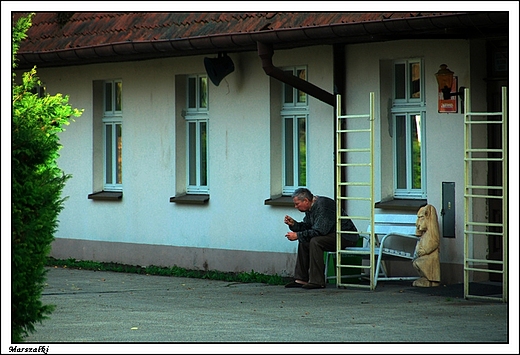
(39,90)
(294,117)
(407,82)
(293,97)
(408,115)
(408,155)
(112,135)
(197,134)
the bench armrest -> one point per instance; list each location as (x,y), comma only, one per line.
(408,253)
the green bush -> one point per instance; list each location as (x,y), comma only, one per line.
(37,183)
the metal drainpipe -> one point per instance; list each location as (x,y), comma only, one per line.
(265,52)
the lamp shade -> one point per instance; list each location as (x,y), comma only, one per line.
(444,77)
(218,68)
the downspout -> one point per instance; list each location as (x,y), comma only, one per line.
(265,52)
(340,77)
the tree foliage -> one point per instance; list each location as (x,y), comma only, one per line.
(37,184)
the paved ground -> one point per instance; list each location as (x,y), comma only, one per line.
(131,313)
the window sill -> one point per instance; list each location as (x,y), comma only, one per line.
(106,195)
(191,199)
(401,204)
(280,201)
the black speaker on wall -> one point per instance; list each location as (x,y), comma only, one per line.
(218,68)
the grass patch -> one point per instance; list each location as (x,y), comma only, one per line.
(174,271)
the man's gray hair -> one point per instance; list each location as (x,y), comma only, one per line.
(302,193)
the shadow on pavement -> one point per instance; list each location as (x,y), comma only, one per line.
(457,290)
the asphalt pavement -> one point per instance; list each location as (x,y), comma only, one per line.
(111,312)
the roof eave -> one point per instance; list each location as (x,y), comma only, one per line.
(460,25)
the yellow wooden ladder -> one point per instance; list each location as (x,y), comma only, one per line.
(478,194)
(355,184)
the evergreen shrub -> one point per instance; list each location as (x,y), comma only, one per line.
(37,184)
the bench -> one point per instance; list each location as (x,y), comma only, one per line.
(395,239)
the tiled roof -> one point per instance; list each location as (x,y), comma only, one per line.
(176,33)
(91,28)
(88,29)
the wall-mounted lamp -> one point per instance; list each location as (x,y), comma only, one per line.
(218,68)
(445,81)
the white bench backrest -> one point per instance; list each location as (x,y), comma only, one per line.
(396,223)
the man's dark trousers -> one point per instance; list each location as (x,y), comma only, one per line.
(310,264)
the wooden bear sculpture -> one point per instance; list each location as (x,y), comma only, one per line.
(426,257)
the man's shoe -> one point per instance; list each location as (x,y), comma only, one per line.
(310,286)
(293,284)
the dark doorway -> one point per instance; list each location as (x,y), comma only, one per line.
(497,77)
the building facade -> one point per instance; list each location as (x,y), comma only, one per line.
(169,168)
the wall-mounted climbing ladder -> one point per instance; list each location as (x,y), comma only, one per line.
(478,156)
(355,183)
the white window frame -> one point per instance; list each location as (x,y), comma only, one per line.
(409,192)
(297,109)
(112,117)
(199,116)
(199,107)
(295,156)
(407,100)
(409,107)
(296,94)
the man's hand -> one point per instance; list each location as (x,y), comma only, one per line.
(292,236)
(289,221)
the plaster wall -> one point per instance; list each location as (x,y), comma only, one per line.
(240,150)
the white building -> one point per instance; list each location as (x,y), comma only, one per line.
(170,169)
